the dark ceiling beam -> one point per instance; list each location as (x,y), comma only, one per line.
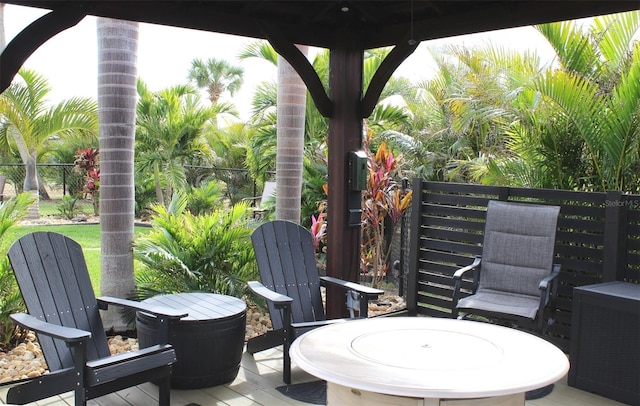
(397,55)
(376,23)
(31,38)
(490,16)
(301,64)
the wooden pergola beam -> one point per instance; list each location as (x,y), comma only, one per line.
(397,55)
(300,63)
(31,38)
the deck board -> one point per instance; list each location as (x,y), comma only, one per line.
(256,385)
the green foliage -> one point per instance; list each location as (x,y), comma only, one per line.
(216,76)
(10,300)
(206,198)
(231,147)
(68,207)
(169,135)
(145,195)
(64,150)
(185,253)
(496,116)
(314,182)
(30,123)
(595,99)
(11,211)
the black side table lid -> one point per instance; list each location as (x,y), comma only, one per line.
(624,290)
(201,306)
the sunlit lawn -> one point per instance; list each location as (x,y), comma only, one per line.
(51,207)
(87,235)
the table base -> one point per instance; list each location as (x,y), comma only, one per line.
(342,395)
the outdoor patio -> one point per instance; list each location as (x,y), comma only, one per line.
(256,385)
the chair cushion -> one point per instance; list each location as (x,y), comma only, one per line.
(501,302)
(518,247)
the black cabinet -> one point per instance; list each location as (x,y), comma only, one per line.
(605,341)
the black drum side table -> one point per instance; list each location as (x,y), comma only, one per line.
(208,342)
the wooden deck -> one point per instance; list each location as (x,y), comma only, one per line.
(256,385)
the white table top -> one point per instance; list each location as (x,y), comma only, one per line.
(429,357)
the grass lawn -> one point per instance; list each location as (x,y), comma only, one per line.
(87,235)
(51,207)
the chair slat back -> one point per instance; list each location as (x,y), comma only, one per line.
(518,248)
(287,265)
(54,281)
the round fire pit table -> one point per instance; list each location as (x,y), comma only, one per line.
(208,342)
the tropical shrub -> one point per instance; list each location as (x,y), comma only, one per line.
(184,253)
(145,196)
(206,198)
(383,203)
(11,211)
(314,181)
(68,207)
(319,233)
(170,125)
(88,163)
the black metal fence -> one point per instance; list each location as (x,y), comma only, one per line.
(57,180)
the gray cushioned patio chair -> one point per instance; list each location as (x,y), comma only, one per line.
(515,277)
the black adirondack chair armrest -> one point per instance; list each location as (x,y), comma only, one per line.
(67,334)
(358,296)
(319,323)
(151,309)
(361,289)
(276,298)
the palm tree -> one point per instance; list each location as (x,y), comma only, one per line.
(261,156)
(291,109)
(500,117)
(30,123)
(216,77)
(170,125)
(230,149)
(291,106)
(117,71)
(461,117)
(596,97)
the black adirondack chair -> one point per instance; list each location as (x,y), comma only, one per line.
(291,286)
(64,312)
